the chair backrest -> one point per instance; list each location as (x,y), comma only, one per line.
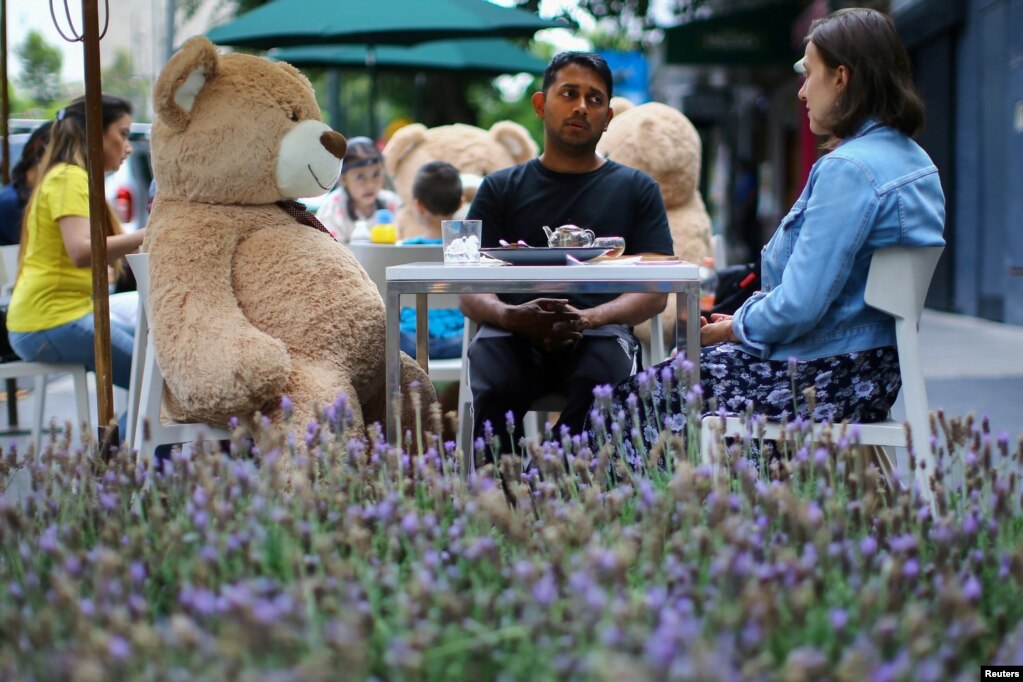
(899,278)
(376,258)
(139,263)
(897,284)
(9,262)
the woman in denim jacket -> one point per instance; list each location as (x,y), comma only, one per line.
(810,326)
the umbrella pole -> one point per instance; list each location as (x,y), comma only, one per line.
(334,98)
(11,385)
(99,222)
(371,61)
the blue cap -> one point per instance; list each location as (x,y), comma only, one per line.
(384,216)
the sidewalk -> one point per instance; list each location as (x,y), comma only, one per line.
(970,364)
(973,365)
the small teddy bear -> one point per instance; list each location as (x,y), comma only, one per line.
(250,301)
(660,141)
(473,151)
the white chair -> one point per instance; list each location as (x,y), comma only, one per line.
(376,258)
(145,390)
(9,262)
(43,372)
(896,284)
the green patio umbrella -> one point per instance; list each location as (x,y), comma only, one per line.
(287,23)
(483,55)
(284,23)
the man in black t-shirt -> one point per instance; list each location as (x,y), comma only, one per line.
(531,345)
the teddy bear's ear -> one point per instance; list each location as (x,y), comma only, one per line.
(516,139)
(401,144)
(620,104)
(181,80)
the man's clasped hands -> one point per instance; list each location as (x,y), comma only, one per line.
(554,325)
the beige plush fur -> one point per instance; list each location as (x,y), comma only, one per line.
(660,141)
(470,149)
(247,304)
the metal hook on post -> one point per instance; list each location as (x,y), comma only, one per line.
(77,37)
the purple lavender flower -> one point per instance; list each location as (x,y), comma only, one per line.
(87,607)
(410,523)
(118,648)
(838,618)
(868,546)
(48,541)
(972,588)
(545,590)
(911,569)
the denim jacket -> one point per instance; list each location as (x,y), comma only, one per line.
(878,188)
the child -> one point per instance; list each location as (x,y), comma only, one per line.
(437,195)
(359,193)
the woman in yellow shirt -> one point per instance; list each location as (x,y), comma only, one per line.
(50,315)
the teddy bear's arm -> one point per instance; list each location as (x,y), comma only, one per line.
(215,362)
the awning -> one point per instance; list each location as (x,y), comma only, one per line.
(758,36)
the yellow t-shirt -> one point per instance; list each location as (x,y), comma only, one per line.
(51,290)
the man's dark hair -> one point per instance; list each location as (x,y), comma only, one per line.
(880,79)
(590,60)
(438,185)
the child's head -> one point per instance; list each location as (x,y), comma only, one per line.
(437,189)
(362,171)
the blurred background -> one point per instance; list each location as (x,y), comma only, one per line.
(726,64)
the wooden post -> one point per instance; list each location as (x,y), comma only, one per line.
(99,220)
(5,104)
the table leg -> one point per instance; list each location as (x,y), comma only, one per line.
(693,327)
(392,365)
(12,402)
(422,333)
(687,303)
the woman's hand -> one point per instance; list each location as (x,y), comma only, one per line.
(717,330)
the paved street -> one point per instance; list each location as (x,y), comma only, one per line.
(971,365)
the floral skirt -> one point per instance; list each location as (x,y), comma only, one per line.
(860,387)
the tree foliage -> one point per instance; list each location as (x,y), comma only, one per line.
(120,79)
(40,68)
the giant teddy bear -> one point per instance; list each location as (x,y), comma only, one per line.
(249,304)
(660,141)
(472,150)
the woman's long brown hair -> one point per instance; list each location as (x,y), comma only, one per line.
(68,145)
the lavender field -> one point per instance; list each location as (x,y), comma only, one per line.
(362,560)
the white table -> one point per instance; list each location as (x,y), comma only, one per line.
(423,279)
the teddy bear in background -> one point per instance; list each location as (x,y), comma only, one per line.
(475,152)
(249,300)
(660,141)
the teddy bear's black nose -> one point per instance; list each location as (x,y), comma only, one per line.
(334,142)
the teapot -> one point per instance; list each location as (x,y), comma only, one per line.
(568,235)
